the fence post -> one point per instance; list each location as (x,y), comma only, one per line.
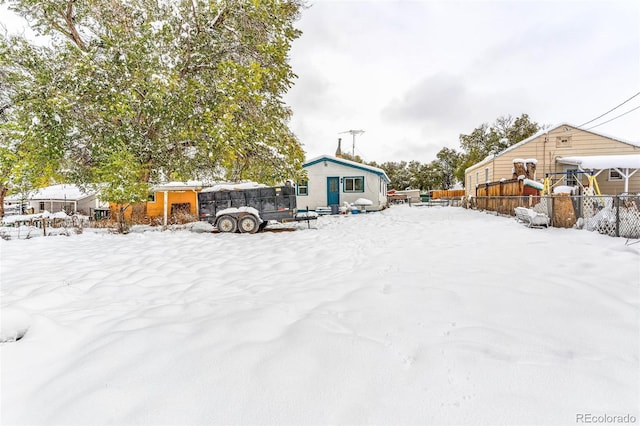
(617,204)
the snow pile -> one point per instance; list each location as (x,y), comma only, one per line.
(200,227)
(14,324)
(603,218)
(7,220)
(363,202)
(343,323)
(563,189)
(310,214)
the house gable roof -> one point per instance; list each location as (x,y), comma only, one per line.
(348,163)
(542,132)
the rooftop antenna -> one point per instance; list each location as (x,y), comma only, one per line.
(353,133)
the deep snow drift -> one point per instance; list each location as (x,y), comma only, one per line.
(414,315)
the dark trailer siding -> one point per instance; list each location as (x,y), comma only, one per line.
(273,203)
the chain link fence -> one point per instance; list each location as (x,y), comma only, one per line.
(614,215)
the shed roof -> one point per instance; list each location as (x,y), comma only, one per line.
(177,186)
(348,163)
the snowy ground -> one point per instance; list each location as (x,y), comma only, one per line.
(415,315)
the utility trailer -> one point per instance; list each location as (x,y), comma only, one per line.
(247,210)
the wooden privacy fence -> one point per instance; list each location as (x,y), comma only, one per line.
(448,193)
(504,196)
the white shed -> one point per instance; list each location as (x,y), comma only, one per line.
(65,197)
(333,181)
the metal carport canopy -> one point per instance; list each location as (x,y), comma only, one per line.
(626,165)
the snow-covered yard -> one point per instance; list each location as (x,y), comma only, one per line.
(414,315)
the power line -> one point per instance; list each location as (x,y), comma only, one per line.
(625,113)
(612,109)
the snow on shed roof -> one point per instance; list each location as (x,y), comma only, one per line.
(600,162)
(348,163)
(177,186)
(234,186)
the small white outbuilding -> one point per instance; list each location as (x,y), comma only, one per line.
(332,181)
(64,197)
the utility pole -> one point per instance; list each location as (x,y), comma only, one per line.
(353,133)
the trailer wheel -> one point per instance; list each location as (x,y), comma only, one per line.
(248,224)
(227,223)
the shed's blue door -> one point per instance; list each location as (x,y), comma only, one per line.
(333,191)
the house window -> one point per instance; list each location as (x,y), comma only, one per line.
(614,175)
(303,188)
(486,174)
(354,184)
(572,179)
(151,198)
(563,141)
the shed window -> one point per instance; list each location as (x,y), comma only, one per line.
(354,184)
(152,197)
(614,175)
(41,206)
(303,188)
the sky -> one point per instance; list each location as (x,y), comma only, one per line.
(410,316)
(414,75)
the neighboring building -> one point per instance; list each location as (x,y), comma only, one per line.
(333,181)
(561,150)
(166,200)
(406,195)
(68,198)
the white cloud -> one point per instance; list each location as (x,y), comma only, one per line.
(415,75)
